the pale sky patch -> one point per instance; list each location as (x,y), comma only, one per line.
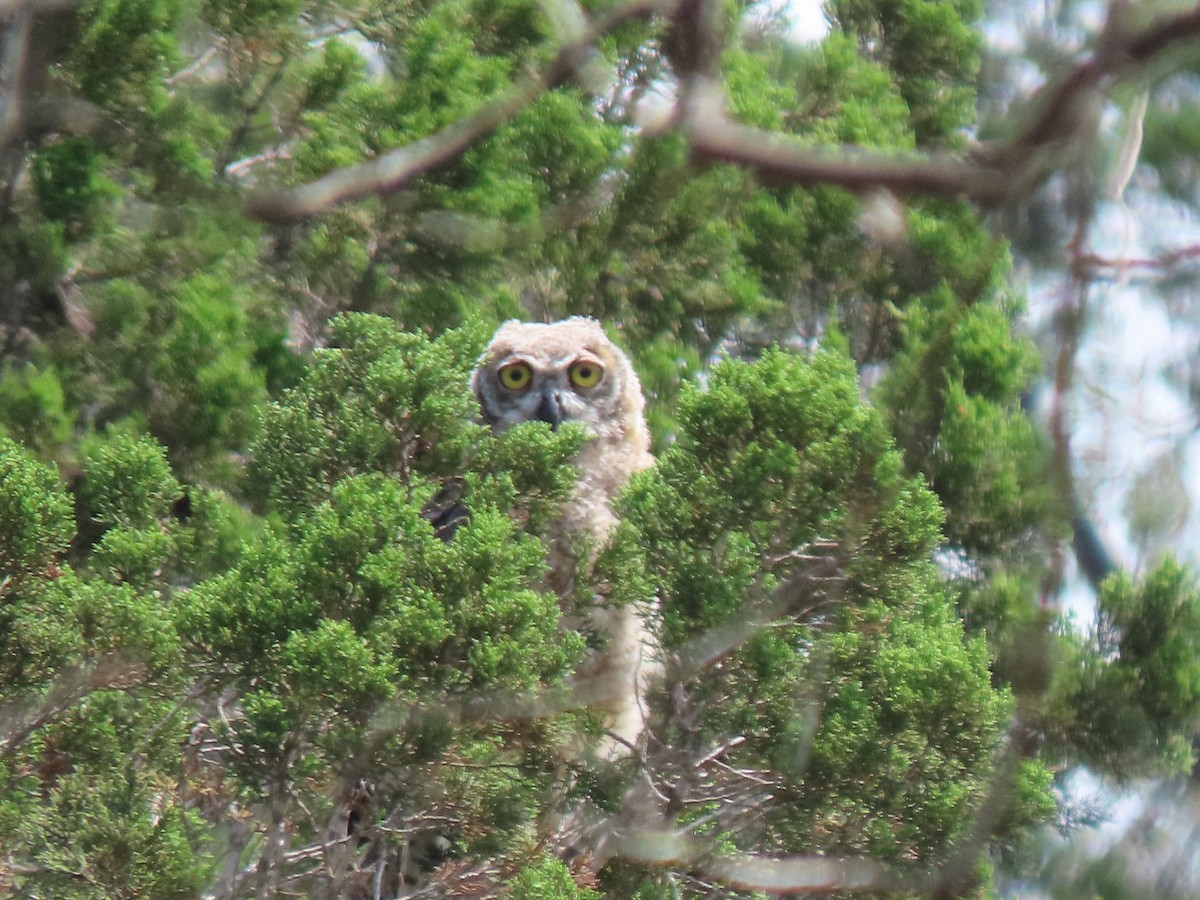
(808,21)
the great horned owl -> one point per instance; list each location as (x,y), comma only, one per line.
(570,371)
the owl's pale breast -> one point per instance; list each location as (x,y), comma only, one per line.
(618,444)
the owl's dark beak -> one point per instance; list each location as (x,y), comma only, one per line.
(550,409)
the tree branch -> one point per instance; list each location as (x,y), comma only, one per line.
(783,158)
(1062,123)
(396,168)
(755,872)
(1091,263)
(67,690)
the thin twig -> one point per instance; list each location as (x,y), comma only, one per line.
(195,65)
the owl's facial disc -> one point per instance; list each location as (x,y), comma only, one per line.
(563,388)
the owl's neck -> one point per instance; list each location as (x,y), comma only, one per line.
(606,463)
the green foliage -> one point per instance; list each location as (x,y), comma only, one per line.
(354,600)
(129,482)
(108,816)
(755,97)
(953,397)
(667,262)
(547,879)
(32,258)
(782,484)
(130,490)
(69,186)
(254,422)
(185,356)
(852,99)
(772,457)
(933,51)
(249,20)
(33,408)
(339,67)
(368,558)
(1133,704)
(1171,139)
(102,658)
(215,529)
(124,48)
(207,357)
(35,517)
(372,401)
(54,619)
(908,729)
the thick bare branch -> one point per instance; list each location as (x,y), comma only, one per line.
(30,33)
(1165,35)
(10,7)
(392,170)
(1061,123)
(786,159)
(693,40)
(754,872)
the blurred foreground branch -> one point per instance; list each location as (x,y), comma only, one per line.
(18,721)
(396,168)
(30,31)
(1060,126)
(756,872)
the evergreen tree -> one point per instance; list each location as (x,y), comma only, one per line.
(249,256)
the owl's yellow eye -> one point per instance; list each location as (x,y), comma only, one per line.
(585,374)
(516,376)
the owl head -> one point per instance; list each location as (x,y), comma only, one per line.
(566,371)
